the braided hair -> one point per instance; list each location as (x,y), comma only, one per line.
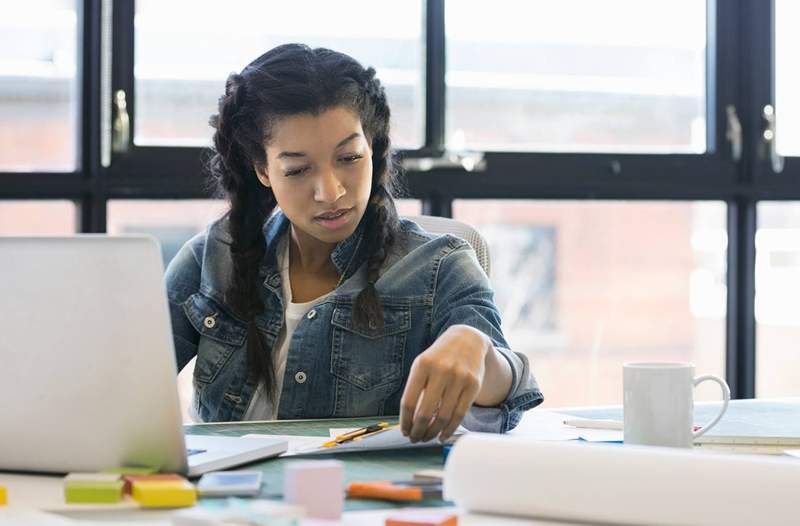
(288,80)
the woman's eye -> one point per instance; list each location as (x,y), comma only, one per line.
(352,158)
(295,171)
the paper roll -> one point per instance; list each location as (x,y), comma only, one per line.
(612,483)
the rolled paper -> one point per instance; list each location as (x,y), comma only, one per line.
(619,484)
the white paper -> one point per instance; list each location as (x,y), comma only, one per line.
(612,483)
(298,444)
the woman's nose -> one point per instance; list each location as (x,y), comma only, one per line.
(328,189)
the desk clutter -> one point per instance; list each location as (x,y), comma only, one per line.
(149,491)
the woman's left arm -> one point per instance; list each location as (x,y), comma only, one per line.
(468,368)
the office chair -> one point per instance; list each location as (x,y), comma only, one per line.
(444,225)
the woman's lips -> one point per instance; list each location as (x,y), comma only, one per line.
(334,220)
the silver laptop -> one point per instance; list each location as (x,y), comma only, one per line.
(87,366)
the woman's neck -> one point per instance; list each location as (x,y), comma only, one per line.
(310,255)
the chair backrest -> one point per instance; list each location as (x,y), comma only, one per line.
(444,225)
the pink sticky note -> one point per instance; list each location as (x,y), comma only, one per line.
(317,486)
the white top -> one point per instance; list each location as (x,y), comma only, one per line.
(260,407)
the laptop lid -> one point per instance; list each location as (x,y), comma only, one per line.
(87,367)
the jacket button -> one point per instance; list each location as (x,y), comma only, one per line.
(300,377)
(209,322)
(311,314)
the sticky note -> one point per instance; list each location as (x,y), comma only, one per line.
(3,496)
(123,471)
(316,485)
(130,479)
(164,493)
(92,488)
(422,518)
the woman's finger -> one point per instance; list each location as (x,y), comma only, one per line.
(426,408)
(408,403)
(464,403)
(445,412)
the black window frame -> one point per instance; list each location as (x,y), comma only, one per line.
(739,60)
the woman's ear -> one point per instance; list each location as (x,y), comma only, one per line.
(263,176)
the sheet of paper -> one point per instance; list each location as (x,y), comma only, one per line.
(298,445)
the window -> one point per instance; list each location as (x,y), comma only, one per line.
(38,86)
(38,217)
(787,78)
(778,299)
(585,287)
(178,80)
(624,76)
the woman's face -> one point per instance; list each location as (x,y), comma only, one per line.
(320,169)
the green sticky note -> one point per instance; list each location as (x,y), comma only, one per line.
(93,492)
(124,471)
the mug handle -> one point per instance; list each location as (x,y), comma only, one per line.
(726,397)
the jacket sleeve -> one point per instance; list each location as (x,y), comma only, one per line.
(463,295)
(182,279)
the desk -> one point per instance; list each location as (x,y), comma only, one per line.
(745,417)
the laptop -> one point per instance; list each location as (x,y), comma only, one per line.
(87,365)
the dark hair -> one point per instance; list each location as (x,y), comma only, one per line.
(288,80)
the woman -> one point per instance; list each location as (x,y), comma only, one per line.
(310,298)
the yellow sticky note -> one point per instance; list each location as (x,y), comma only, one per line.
(3,496)
(164,493)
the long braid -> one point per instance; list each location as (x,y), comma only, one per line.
(382,213)
(250,205)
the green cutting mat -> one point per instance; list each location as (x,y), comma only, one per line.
(365,466)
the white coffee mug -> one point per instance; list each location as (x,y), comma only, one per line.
(659,403)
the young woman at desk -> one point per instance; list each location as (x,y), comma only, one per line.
(310,298)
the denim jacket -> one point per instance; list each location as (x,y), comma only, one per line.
(335,369)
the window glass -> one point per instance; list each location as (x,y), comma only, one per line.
(584,287)
(787,78)
(777,305)
(38,87)
(619,76)
(38,217)
(180,67)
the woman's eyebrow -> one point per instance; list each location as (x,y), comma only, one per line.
(344,141)
(348,139)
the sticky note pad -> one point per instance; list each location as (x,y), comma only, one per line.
(92,488)
(164,493)
(3,496)
(316,485)
(131,479)
(422,518)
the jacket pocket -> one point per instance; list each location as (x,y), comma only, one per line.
(371,357)
(220,335)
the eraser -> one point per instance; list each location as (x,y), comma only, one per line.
(164,493)
(422,518)
(92,488)
(130,479)
(317,486)
(3,496)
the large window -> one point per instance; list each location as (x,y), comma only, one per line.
(178,80)
(778,299)
(621,76)
(634,165)
(585,287)
(38,86)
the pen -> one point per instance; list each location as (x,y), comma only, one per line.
(591,423)
(353,434)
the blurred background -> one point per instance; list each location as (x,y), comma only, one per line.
(632,164)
